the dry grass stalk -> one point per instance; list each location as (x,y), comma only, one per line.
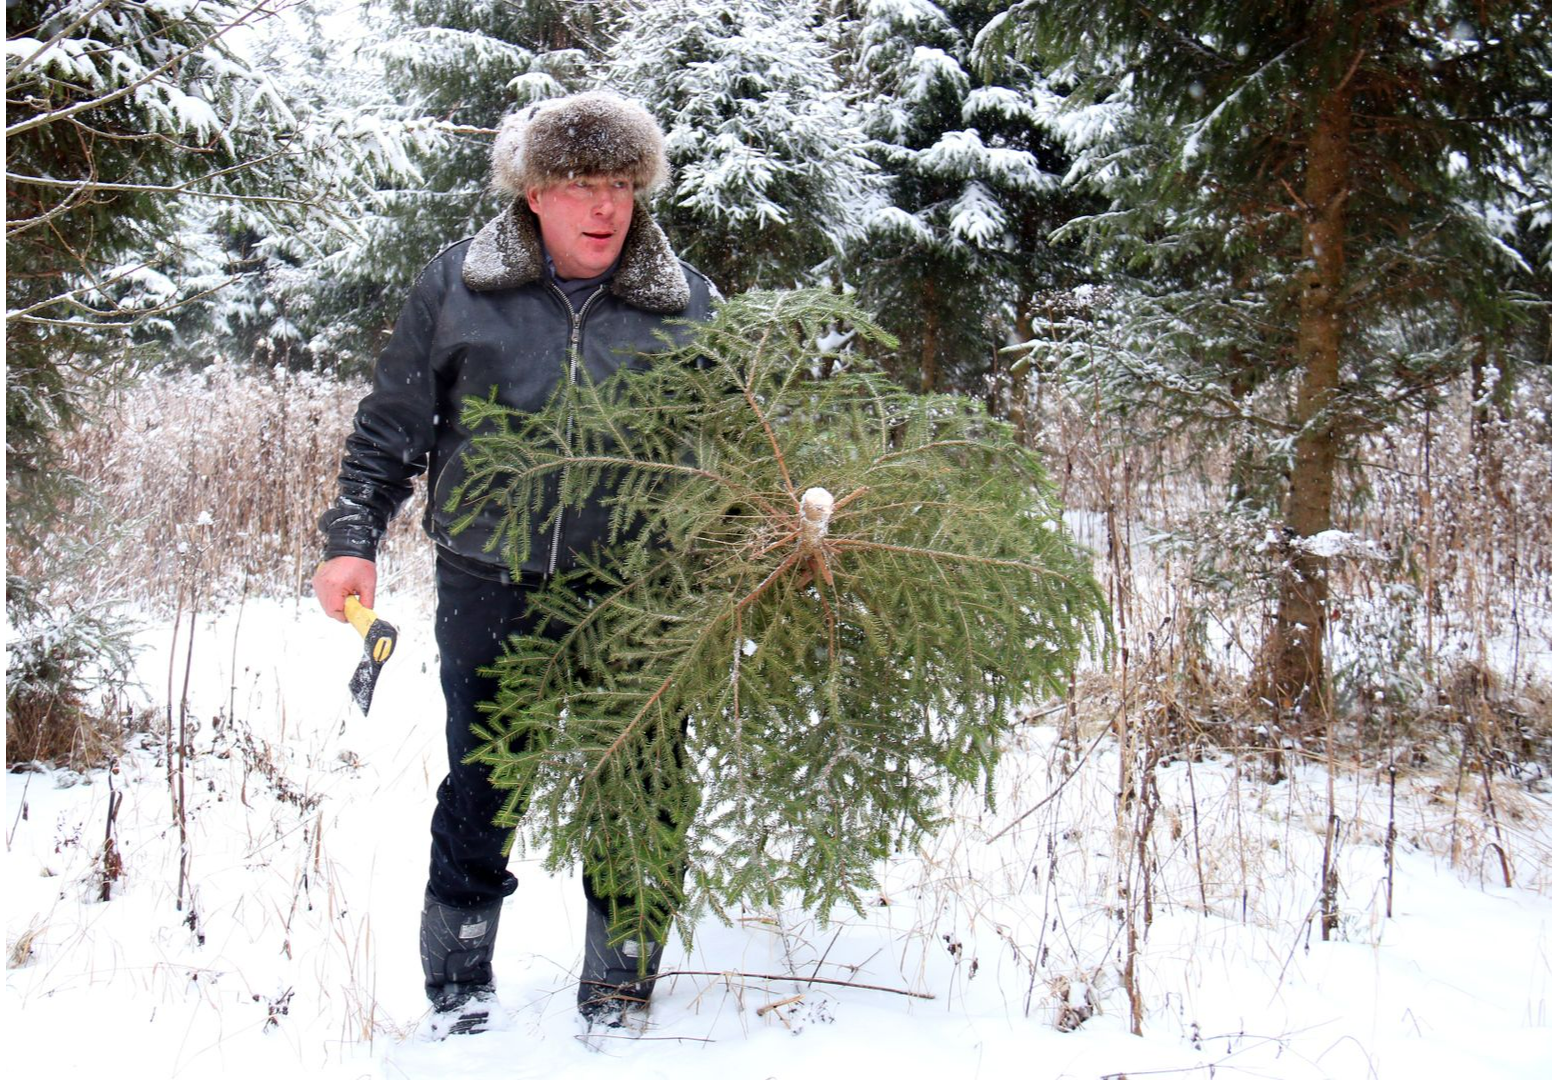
(65,731)
(245,456)
(20,952)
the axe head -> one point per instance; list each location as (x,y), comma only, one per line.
(380,639)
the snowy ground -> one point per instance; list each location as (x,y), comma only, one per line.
(293,950)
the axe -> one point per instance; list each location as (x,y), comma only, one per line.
(380,637)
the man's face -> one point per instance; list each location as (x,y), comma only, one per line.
(583,222)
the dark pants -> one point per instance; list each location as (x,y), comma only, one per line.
(473,618)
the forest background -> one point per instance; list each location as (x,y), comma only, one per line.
(1268,287)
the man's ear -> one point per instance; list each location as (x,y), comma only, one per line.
(532,198)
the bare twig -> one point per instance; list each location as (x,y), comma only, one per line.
(780,1003)
(797,978)
(1041,803)
(1391,836)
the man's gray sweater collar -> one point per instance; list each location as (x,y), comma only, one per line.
(508,253)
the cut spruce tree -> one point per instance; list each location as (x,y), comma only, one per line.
(823,601)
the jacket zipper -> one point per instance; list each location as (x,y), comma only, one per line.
(570,418)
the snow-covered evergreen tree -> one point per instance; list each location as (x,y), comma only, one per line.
(770,172)
(451,70)
(410,114)
(292,292)
(1313,225)
(961,248)
(118,115)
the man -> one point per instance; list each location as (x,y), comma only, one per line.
(574,272)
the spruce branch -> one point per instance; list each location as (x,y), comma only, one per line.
(820,604)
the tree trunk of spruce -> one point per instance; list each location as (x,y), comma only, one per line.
(1485,467)
(1018,378)
(1292,670)
(929,361)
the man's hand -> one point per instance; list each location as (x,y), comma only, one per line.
(342,577)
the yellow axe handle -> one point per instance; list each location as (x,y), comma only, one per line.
(380,638)
(363,619)
(360,616)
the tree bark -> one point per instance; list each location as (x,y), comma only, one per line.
(1018,413)
(929,359)
(1292,670)
(1486,472)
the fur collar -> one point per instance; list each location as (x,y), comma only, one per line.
(508,253)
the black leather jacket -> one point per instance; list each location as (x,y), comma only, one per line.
(485,314)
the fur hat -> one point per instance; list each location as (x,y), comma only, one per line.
(591,134)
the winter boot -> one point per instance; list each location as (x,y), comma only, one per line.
(612,979)
(456,946)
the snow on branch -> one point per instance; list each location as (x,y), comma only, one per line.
(120,65)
